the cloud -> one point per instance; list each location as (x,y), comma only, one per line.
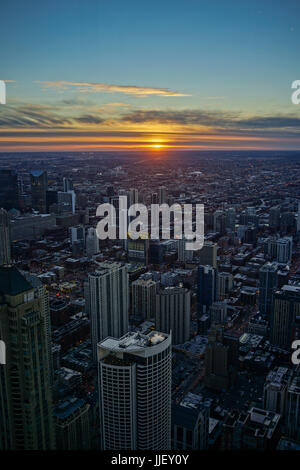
(90,119)
(215,119)
(86,87)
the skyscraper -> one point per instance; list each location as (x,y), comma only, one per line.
(162,195)
(284,250)
(298,218)
(5,256)
(72,424)
(135,391)
(224,284)
(284,317)
(216,360)
(92,242)
(173,313)
(143,298)
(208,254)
(9,189)
(268,280)
(293,407)
(26,400)
(107,302)
(206,292)
(183,254)
(68,185)
(39,186)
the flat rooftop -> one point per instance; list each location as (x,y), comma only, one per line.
(133,341)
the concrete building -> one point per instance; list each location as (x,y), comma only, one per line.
(107,302)
(72,424)
(173,313)
(135,392)
(5,254)
(144,298)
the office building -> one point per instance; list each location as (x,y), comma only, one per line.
(275,390)
(144,298)
(190,424)
(206,288)
(135,392)
(216,360)
(284,250)
(39,186)
(293,407)
(9,190)
(268,280)
(67,185)
(107,302)
(184,254)
(5,254)
(261,430)
(173,313)
(26,420)
(92,242)
(72,424)
(285,326)
(224,284)
(208,254)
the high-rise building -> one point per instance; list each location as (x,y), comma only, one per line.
(162,195)
(5,255)
(216,360)
(26,420)
(219,221)
(260,430)
(72,424)
(284,250)
(107,302)
(173,313)
(190,424)
(230,218)
(77,234)
(206,291)
(138,250)
(184,254)
(67,198)
(275,390)
(39,186)
(144,298)
(208,254)
(224,284)
(68,185)
(218,313)
(92,242)
(268,280)
(133,196)
(135,392)
(293,407)
(298,218)
(274,218)
(9,194)
(284,318)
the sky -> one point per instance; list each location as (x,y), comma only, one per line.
(183,74)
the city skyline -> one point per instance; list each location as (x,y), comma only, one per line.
(180,76)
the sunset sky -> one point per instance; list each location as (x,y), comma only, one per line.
(184,74)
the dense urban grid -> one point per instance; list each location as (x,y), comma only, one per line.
(142,344)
